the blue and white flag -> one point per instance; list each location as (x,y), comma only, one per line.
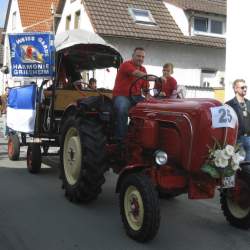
(21,109)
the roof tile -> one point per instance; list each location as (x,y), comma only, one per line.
(111,18)
(34,14)
(209,6)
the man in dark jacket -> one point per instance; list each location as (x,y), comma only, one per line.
(241,106)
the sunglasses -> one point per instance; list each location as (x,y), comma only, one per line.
(243,87)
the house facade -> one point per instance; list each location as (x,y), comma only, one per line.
(26,16)
(238,49)
(2,80)
(188,33)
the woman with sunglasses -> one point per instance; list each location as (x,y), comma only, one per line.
(241,106)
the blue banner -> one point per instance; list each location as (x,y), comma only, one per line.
(32,55)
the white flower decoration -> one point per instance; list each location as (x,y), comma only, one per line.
(217,162)
(236,159)
(226,160)
(235,167)
(229,149)
(224,154)
(242,154)
(217,153)
(221,162)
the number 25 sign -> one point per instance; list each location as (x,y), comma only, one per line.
(223,116)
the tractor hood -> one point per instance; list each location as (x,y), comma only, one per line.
(176,105)
(87,50)
(186,130)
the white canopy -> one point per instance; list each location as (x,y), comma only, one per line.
(74,37)
(87,50)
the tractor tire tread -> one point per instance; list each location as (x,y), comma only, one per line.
(93,141)
(149,195)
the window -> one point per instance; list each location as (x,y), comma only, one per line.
(207,77)
(208,25)
(142,16)
(68,21)
(201,24)
(14,20)
(77,19)
(216,27)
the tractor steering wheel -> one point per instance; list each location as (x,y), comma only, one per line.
(151,90)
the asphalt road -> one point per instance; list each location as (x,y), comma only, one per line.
(34,215)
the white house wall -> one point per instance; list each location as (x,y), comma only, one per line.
(9,29)
(188,60)
(2,81)
(71,9)
(180,18)
(199,93)
(238,44)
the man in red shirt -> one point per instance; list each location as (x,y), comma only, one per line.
(125,96)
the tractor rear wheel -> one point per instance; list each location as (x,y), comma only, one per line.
(13,147)
(34,158)
(83,159)
(235,202)
(139,207)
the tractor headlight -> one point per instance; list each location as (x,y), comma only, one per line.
(161,157)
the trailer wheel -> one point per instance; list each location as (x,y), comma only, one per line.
(34,158)
(13,147)
(139,207)
(235,202)
(83,159)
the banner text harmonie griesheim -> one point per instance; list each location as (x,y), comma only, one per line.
(31,54)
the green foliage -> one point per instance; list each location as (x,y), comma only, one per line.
(228,172)
(211,170)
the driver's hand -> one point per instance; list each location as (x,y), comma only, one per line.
(147,96)
(160,79)
(163,79)
(145,91)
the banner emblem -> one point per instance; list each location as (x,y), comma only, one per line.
(31,54)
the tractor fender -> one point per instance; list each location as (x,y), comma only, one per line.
(70,110)
(126,171)
(84,105)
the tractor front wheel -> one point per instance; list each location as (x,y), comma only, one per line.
(139,207)
(235,202)
(13,147)
(34,158)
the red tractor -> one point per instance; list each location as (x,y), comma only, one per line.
(168,143)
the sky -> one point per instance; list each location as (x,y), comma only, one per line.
(3,9)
